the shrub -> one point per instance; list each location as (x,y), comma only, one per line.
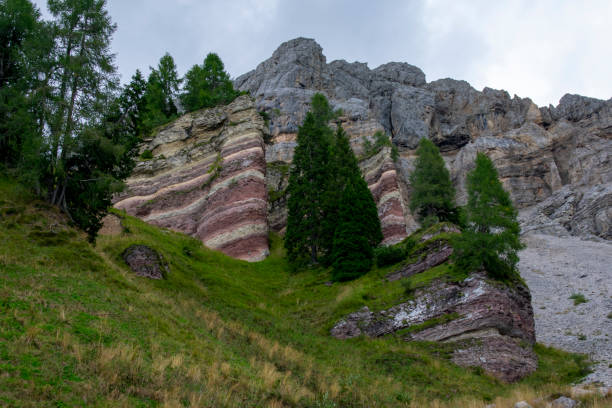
(389,255)
(146,155)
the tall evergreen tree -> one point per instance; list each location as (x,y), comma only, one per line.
(162,89)
(490,239)
(85,79)
(433,195)
(352,252)
(345,171)
(132,103)
(207,85)
(26,43)
(308,179)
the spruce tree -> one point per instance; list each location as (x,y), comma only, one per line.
(490,239)
(352,252)
(344,170)
(433,195)
(308,180)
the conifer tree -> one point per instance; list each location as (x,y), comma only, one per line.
(433,195)
(490,239)
(162,87)
(308,180)
(207,85)
(345,170)
(352,253)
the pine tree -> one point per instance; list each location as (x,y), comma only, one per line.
(308,180)
(207,85)
(433,195)
(490,239)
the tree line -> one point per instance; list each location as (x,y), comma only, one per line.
(333,220)
(68,128)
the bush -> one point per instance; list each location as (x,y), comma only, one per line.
(389,255)
(146,155)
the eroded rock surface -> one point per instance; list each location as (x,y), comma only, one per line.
(207,179)
(490,323)
(538,151)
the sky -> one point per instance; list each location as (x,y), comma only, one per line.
(540,49)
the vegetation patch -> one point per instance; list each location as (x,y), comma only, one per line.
(578,298)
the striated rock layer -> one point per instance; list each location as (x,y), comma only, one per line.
(207,179)
(490,325)
(538,151)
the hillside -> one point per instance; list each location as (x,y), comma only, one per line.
(79,328)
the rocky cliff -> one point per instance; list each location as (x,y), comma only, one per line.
(206,178)
(544,155)
(212,176)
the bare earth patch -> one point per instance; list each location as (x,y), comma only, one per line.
(558,268)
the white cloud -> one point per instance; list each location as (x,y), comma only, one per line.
(534,48)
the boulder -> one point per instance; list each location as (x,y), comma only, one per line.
(146,262)
(564,402)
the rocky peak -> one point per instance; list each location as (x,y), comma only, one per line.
(537,150)
(401,73)
(298,63)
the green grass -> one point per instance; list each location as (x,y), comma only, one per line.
(578,298)
(77,328)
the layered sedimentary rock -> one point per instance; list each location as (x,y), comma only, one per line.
(207,179)
(490,324)
(538,151)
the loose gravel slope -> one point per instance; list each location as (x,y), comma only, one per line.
(557,268)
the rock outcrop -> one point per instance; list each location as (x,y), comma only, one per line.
(490,324)
(538,151)
(145,261)
(207,178)
(212,176)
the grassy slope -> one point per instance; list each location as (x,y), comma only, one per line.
(77,328)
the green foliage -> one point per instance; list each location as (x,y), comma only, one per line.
(381,140)
(578,298)
(146,155)
(63,128)
(332,215)
(207,85)
(352,252)
(433,194)
(77,327)
(161,90)
(308,180)
(389,255)
(490,239)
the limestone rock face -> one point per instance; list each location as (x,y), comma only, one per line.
(207,179)
(537,151)
(491,325)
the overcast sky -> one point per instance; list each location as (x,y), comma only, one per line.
(540,49)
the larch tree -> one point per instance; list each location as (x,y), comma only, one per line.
(490,239)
